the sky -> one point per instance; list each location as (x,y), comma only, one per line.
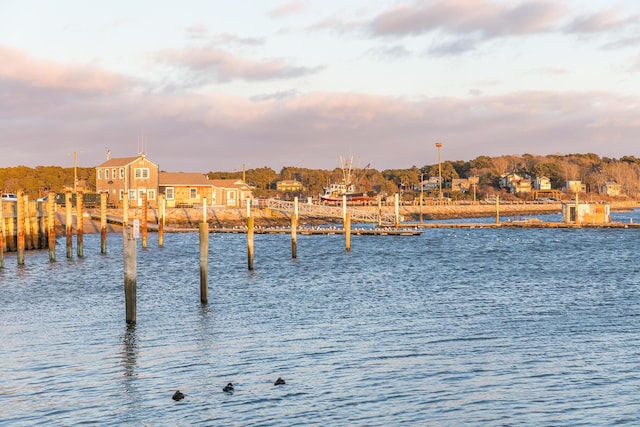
(219,85)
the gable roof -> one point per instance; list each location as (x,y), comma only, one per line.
(230,183)
(184,178)
(122,161)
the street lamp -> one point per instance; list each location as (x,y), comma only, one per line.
(438,146)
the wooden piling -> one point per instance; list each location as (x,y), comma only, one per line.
(28,240)
(52,225)
(42,230)
(79,224)
(497,209)
(103,223)
(130,273)
(11,227)
(2,243)
(125,209)
(347,231)
(204,256)
(20,225)
(143,223)
(396,204)
(68,229)
(249,237)
(294,229)
(161,209)
(379,211)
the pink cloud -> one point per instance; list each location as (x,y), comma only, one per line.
(222,66)
(483,17)
(289,8)
(606,20)
(18,67)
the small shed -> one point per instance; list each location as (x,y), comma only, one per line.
(586,213)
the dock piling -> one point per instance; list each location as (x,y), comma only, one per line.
(130,273)
(1,231)
(143,223)
(103,223)
(250,232)
(294,230)
(51,223)
(67,224)
(347,231)
(79,226)
(204,256)
(161,208)
(20,225)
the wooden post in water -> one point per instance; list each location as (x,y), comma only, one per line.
(125,209)
(79,224)
(67,224)
(11,227)
(130,273)
(379,210)
(42,231)
(103,223)
(1,231)
(344,207)
(20,225)
(294,229)
(249,236)
(28,240)
(143,223)
(347,231)
(497,209)
(396,203)
(204,255)
(161,209)
(51,211)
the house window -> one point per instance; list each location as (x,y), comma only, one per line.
(113,173)
(99,173)
(132,194)
(121,173)
(169,193)
(141,173)
(193,193)
(106,174)
(151,194)
(121,194)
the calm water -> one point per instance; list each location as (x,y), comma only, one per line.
(455,327)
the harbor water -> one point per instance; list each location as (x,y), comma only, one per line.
(490,327)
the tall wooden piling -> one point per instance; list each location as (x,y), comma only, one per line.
(249,236)
(11,227)
(79,224)
(28,235)
(204,255)
(344,207)
(51,223)
(396,204)
(130,273)
(294,229)
(143,223)
(1,231)
(161,210)
(379,210)
(347,232)
(20,225)
(68,219)
(103,223)
(497,209)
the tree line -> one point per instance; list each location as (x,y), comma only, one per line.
(591,169)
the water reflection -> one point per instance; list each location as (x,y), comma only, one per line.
(129,354)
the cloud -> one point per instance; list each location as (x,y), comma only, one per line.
(390,52)
(18,67)
(482,18)
(217,65)
(606,20)
(286,9)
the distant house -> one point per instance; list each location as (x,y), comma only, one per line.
(289,186)
(231,192)
(611,189)
(463,184)
(182,189)
(137,175)
(515,183)
(433,183)
(575,187)
(542,183)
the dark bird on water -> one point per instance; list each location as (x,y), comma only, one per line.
(178,395)
(228,388)
(279,381)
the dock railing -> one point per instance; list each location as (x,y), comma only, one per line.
(371,215)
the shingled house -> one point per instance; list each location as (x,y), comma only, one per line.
(137,175)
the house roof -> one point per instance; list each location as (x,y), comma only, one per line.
(184,178)
(230,183)
(121,161)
